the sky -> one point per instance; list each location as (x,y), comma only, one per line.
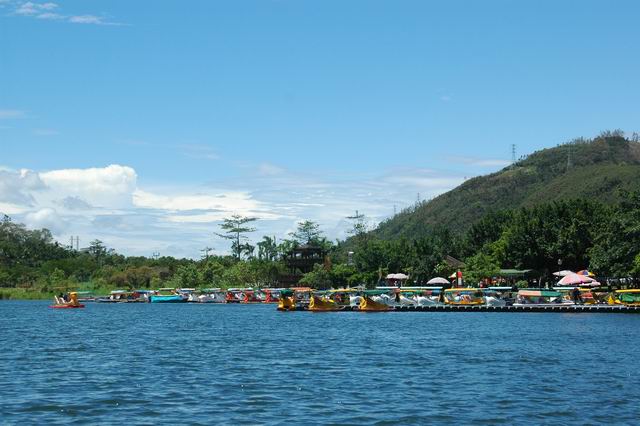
(144,124)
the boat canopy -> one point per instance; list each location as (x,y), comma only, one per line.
(375,292)
(539,293)
(629,297)
(462,290)
(630,290)
(514,273)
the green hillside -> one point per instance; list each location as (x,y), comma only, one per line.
(598,168)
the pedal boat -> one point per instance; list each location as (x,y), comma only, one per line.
(62,304)
(319,304)
(463,296)
(368,305)
(630,297)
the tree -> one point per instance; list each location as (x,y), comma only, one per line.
(617,242)
(235,228)
(97,249)
(187,276)
(308,232)
(479,267)
(267,248)
(359,225)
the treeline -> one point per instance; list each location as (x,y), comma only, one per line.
(573,234)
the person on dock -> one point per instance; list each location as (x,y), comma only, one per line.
(575,295)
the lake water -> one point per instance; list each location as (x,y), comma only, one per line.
(249,364)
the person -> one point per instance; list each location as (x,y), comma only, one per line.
(575,293)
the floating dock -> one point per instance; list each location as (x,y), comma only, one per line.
(605,309)
(572,309)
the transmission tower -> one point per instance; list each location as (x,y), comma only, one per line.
(513,153)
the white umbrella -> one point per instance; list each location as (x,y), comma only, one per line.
(438,280)
(397,277)
(563,273)
(573,279)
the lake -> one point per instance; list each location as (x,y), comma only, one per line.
(249,364)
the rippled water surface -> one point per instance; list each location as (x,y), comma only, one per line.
(249,364)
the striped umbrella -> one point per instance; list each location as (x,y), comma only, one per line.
(575,279)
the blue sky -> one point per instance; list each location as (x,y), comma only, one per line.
(144,123)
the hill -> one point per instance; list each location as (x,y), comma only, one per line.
(596,170)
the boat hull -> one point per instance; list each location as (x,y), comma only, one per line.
(66,306)
(167,299)
(368,305)
(316,304)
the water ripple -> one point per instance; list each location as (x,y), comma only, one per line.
(234,364)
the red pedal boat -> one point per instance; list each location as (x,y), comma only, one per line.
(66,306)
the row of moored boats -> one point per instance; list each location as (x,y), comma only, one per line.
(389,298)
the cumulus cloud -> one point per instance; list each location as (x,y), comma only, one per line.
(46,218)
(75,203)
(111,186)
(107,203)
(16,187)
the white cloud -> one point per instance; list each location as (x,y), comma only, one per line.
(110,186)
(50,15)
(107,203)
(75,203)
(17,187)
(268,169)
(32,8)
(8,114)
(482,162)
(45,11)
(86,19)
(240,202)
(11,209)
(46,218)
(45,132)
(199,152)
